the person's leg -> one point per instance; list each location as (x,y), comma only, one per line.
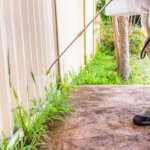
(148,36)
(145,21)
(143,118)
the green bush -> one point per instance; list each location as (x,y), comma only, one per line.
(99,5)
(137,36)
(107,35)
(102,70)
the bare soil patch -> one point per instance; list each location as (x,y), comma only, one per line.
(103,120)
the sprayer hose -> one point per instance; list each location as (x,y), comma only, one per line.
(79,34)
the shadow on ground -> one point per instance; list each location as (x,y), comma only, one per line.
(103,120)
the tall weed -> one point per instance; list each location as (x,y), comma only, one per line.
(35,122)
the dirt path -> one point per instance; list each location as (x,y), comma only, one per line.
(103,120)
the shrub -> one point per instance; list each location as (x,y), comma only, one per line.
(102,70)
(107,35)
(137,36)
(99,5)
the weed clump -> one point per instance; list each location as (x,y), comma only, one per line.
(35,123)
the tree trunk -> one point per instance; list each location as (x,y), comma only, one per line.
(124,47)
(116,37)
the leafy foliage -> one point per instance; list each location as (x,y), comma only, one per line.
(35,122)
(107,35)
(99,5)
(102,70)
(136,37)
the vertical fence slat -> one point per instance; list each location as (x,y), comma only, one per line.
(39,68)
(84,23)
(11,47)
(24,102)
(27,48)
(33,44)
(32,53)
(43,45)
(96,28)
(20,53)
(39,50)
(51,37)
(1,123)
(5,102)
(89,32)
(46,27)
(42,32)
(70,22)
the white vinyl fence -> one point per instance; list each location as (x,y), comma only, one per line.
(32,34)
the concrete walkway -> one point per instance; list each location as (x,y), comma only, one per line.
(103,120)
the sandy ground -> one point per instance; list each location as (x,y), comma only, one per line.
(103,120)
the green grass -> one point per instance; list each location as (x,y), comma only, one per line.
(102,70)
(35,123)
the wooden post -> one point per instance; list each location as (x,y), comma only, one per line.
(84,22)
(54,11)
(93,27)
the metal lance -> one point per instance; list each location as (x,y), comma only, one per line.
(78,35)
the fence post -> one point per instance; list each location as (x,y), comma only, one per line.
(56,39)
(93,27)
(84,22)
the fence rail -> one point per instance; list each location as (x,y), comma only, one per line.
(32,34)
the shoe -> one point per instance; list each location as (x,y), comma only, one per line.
(142,119)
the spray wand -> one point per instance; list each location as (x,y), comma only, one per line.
(79,34)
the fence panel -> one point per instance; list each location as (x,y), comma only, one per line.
(70,22)
(32,34)
(26,36)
